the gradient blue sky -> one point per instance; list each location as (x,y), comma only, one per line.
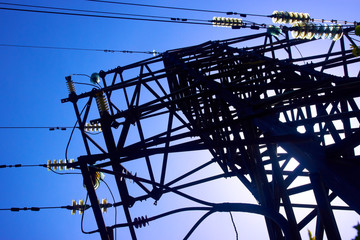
(33,84)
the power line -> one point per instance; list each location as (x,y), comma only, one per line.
(87,128)
(158,6)
(36,209)
(73,207)
(48,166)
(23,165)
(152,19)
(78,49)
(172,20)
(37,127)
(180,8)
(23,127)
(101,12)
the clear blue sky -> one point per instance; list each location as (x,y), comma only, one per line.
(33,84)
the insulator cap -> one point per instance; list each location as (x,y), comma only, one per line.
(101,102)
(81,206)
(96,177)
(61,164)
(140,222)
(48,165)
(290,17)
(227,22)
(70,85)
(72,161)
(104,205)
(91,128)
(73,211)
(310,31)
(95,78)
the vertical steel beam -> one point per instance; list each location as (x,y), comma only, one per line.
(104,232)
(324,208)
(279,180)
(319,232)
(81,124)
(121,184)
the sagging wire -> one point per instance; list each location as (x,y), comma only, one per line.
(68,173)
(213,207)
(94,78)
(138,222)
(220,207)
(203,202)
(72,132)
(82,220)
(276,31)
(232,220)
(299,52)
(198,223)
(112,195)
(142,221)
(97,133)
(82,217)
(93,129)
(88,84)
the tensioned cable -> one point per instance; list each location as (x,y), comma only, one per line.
(209,11)
(37,165)
(36,209)
(50,128)
(101,12)
(154,19)
(180,8)
(22,165)
(79,49)
(23,127)
(158,6)
(173,20)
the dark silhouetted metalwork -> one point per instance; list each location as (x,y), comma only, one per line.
(254,108)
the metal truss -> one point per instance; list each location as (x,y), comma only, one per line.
(256,109)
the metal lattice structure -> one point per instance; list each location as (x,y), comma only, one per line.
(254,108)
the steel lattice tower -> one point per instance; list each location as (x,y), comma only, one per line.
(254,108)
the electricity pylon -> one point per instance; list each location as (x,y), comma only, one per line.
(256,109)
